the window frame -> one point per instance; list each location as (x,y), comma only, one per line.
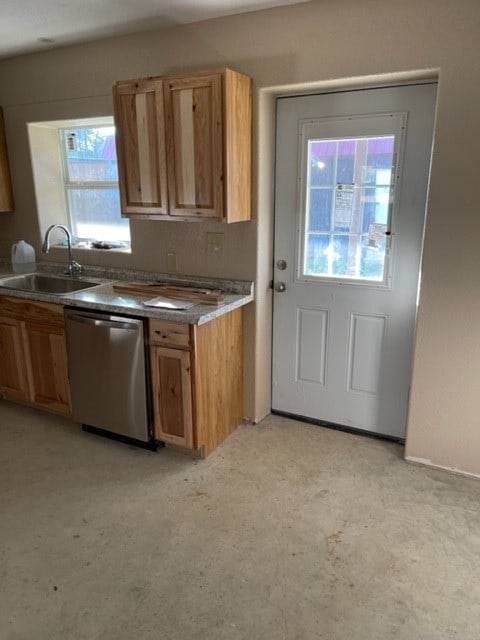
(343,127)
(358,187)
(69,184)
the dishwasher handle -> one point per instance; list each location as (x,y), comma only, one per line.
(97,322)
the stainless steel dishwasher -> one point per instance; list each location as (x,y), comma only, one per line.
(107,370)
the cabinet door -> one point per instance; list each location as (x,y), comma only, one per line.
(140,139)
(13,376)
(172,396)
(6,192)
(46,357)
(194,123)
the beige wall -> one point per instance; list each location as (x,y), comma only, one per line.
(319,43)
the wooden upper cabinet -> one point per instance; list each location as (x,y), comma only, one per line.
(6,191)
(140,139)
(206,130)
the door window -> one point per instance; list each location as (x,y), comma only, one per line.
(348,194)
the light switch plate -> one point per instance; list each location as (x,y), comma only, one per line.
(214,242)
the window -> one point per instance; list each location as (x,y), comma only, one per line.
(91,186)
(348,200)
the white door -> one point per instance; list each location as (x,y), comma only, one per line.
(351,182)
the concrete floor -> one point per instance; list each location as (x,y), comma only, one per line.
(287,532)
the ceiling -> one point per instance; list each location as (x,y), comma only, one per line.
(34,25)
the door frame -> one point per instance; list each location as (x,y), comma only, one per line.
(260,320)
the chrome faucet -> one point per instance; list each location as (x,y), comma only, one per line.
(73,269)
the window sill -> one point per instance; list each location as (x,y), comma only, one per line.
(88,249)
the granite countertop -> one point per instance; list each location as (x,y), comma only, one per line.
(102,297)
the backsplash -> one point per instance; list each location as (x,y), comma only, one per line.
(241,287)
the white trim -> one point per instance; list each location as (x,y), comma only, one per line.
(335,85)
(370,125)
(428,463)
(77,123)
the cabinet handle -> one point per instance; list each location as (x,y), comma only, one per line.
(163,336)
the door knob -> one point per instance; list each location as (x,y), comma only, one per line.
(280,287)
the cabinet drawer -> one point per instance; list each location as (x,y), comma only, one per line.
(31,310)
(176,334)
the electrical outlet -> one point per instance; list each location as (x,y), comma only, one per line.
(171,262)
(214,243)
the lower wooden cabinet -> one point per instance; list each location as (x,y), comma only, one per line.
(33,354)
(197,381)
(197,371)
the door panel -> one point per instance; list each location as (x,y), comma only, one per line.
(311,345)
(366,341)
(351,182)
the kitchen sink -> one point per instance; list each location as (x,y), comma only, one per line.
(45,283)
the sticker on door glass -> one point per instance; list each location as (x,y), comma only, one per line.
(343,205)
(376,234)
